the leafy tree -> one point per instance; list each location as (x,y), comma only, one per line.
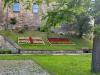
(83,24)
(96,15)
(1,13)
(6,5)
(97,31)
(69,11)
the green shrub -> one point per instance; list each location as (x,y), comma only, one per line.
(25,27)
(43,29)
(20,29)
(97,30)
(13,21)
(5,52)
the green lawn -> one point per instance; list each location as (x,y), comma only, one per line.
(59,65)
(49,47)
(14,36)
(78,43)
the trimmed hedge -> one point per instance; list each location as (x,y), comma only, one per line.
(5,52)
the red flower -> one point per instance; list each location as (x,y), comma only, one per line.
(59,40)
(31,40)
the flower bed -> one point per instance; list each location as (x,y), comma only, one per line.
(59,41)
(30,40)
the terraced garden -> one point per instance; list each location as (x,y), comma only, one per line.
(77,43)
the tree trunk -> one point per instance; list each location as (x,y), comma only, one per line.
(96,55)
(1,14)
(80,34)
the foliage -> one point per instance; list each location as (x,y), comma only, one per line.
(5,52)
(43,29)
(27,4)
(13,21)
(60,41)
(97,8)
(96,12)
(79,43)
(83,24)
(66,12)
(20,30)
(7,2)
(97,30)
(25,27)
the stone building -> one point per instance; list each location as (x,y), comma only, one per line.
(24,17)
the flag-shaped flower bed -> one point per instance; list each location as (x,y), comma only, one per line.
(30,40)
(59,41)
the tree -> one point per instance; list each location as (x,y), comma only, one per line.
(6,5)
(67,11)
(1,13)
(83,24)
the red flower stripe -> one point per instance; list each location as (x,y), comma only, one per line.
(59,40)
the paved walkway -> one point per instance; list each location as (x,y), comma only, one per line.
(20,67)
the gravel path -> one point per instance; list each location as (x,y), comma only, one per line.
(20,67)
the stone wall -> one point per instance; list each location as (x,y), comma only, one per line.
(51,52)
(6,44)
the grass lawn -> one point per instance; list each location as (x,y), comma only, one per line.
(59,65)
(79,43)
(49,47)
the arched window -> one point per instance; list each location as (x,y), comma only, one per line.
(35,8)
(16,7)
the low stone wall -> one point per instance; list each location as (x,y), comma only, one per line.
(49,52)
